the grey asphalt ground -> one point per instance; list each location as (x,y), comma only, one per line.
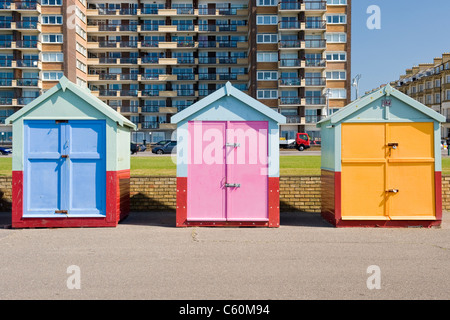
(146,257)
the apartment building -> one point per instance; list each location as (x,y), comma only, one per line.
(429,83)
(151,59)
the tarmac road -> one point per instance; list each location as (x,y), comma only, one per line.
(146,257)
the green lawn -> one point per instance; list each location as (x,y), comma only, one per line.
(163,166)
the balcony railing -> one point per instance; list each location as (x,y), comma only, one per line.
(27,44)
(27,82)
(5,82)
(315,81)
(185,10)
(186,60)
(150,92)
(313,119)
(5,24)
(152,109)
(290,62)
(152,60)
(315,5)
(149,27)
(290,81)
(107,60)
(207,60)
(150,76)
(315,100)
(27,25)
(186,92)
(290,25)
(218,27)
(25,100)
(205,92)
(6,101)
(5,5)
(316,24)
(289,100)
(207,76)
(5,63)
(128,44)
(290,5)
(290,44)
(149,44)
(130,109)
(149,125)
(185,27)
(315,62)
(293,119)
(316,43)
(26,5)
(128,93)
(128,60)
(185,43)
(186,76)
(227,60)
(107,93)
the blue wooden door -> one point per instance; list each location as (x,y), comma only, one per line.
(64,168)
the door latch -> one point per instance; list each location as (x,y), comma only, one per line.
(393,145)
(393,190)
(232,185)
(64,156)
(234,145)
(61,211)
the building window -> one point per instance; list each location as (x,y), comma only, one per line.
(336,2)
(81,49)
(267,2)
(337,37)
(267,57)
(52,19)
(52,57)
(267,94)
(437,83)
(429,99)
(267,38)
(336,56)
(336,75)
(437,98)
(80,31)
(80,14)
(52,75)
(52,38)
(81,82)
(266,20)
(51,2)
(337,19)
(338,94)
(267,75)
(81,66)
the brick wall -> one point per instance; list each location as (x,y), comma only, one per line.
(297,193)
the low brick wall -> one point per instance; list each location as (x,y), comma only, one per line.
(151,193)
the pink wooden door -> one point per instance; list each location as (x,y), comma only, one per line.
(227,171)
(247,167)
(206,192)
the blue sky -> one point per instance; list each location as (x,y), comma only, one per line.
(412,32)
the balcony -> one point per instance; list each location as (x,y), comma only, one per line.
(149,125)
(129,109)
(7,101)
(26,25)
(186,76)
(291,82)
(315,63)
(205,92)
(315,5)
(25,100)
(27,82)
(290,6)
(185,93)
(314,101)
(6,82)
(315,81)
(238,11)
(5,63)
(316,44)
(129,93)
(150,93)
(291,44)
(290,63)
(149,44)
(289,101)
(316,25)
(27,6)
(290,25)
(313,119)
(222,28)
(295,120)
(186,60)
(28,44)
(149,60)
(149,109)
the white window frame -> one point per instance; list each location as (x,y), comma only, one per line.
(338,94)
(81,66)
(266,3)
(272,75)
(342,18)
(59,37)
(50,16)
(273,19)
(266,94)
(52,75)
(55,2)
(330,75)
(267,38)
(336,37)
(52,57)
(267,56)
(336,2)
(339,53)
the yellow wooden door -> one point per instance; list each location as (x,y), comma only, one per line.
(410,171)
(363,171)
(387,171)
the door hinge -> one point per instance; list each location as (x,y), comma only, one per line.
(61,121)
(61,211)
(393,145)
(392,190)
(234,145)
(64,156)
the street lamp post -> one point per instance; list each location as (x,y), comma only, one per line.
(355,83)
